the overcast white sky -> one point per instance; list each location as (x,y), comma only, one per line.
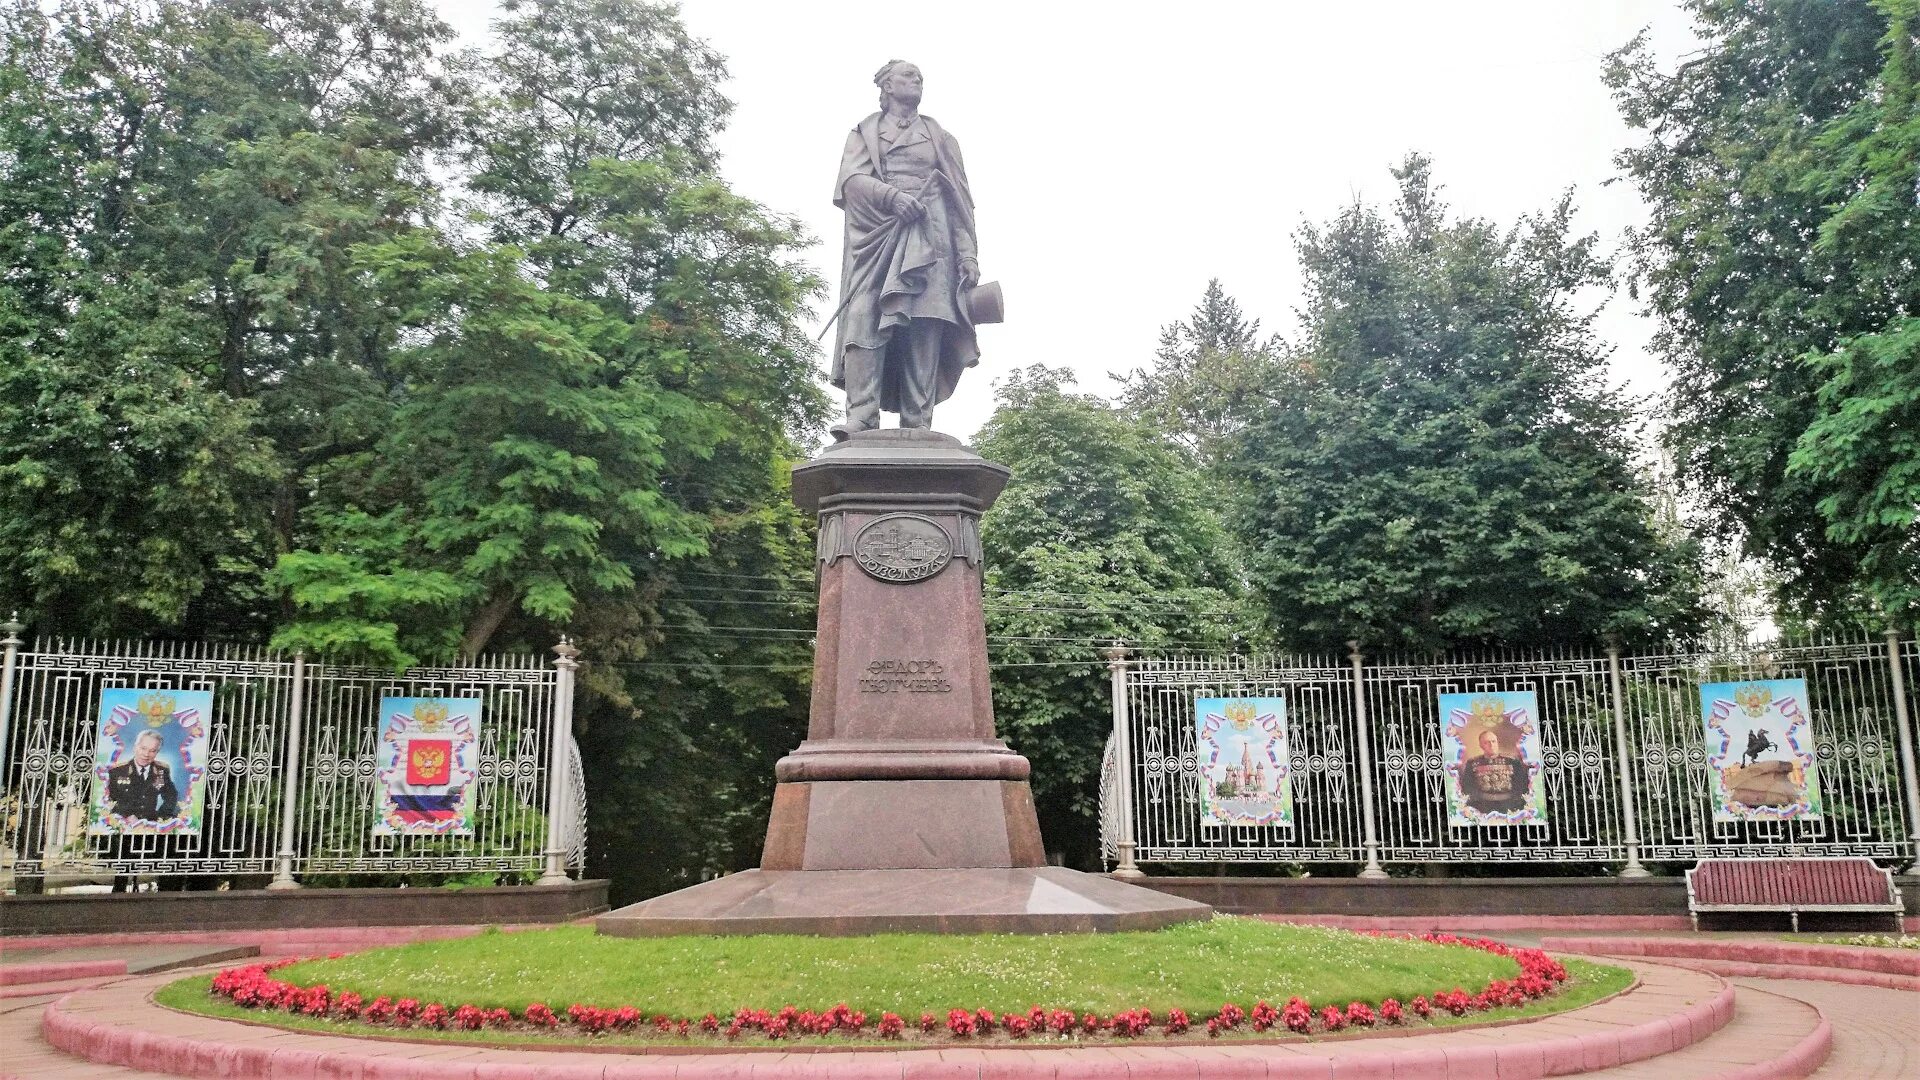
(1121,153)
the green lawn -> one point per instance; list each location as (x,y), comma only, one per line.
(1587,983)
(1195,966)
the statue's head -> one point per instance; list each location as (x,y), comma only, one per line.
(899,81)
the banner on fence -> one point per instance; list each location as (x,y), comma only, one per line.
(150,762)
(428,757)
(1491,746)
(1760,758)
(1244,765)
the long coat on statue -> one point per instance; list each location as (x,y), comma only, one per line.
(891,275)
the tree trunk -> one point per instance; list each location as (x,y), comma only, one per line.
(481,627)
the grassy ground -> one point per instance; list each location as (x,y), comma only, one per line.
(1195,966)
(1588,983)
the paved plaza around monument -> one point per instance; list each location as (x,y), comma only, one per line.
(66,1012)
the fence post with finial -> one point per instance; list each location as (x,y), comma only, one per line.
(12,643)
(1363,731)
(1125,868)
(290,799)
(565,662)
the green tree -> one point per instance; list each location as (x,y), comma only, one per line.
(310,329)
(1105,533)
(1779,165)
(1443,464)
(1210,372)
(186,182)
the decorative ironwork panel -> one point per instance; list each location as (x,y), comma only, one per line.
(342,789)
(1856,748)
(1579,768)
(53,735)
(1851,703)
(1167,798)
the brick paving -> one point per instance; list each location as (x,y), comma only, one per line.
(1767,1028)
(1876,1032)
(26,1056)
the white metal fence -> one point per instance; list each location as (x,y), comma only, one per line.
(289,761)
(1622,758)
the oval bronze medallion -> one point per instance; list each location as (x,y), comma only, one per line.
(902,548)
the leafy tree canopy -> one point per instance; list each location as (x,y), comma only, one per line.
(310,328)
(1105,533)
(1781,259)
(1209,372)
(1440,462)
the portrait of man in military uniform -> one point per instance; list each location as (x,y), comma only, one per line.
(1493,781)
(142,787)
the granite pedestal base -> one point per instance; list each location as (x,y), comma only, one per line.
(902,810)
(839,903)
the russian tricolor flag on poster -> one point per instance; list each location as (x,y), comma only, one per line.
(428,761)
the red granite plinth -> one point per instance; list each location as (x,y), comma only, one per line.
(902,810)
(834,903)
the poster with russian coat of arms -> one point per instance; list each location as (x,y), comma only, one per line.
(1760,751)
(427,763)
(150,762)
(1490,747)
(1245,770)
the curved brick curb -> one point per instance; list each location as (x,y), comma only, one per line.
(296,942)
(1783,971)
(119,1025)
(1804,1059)
(1891,968)
(21,974)
(53,989)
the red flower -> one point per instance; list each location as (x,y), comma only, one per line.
(1177,1022)
(1390,1011)
(1360,1014)
(891,1025)
(960,1023)
(1332,1018)
(928,1023)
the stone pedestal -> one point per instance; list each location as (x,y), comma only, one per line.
(901,810)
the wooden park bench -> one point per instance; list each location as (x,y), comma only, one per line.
(1791,885)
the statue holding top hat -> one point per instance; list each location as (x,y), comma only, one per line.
(910,276)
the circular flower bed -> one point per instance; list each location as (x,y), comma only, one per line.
(255,987)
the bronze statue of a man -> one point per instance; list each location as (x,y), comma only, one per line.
(911,262)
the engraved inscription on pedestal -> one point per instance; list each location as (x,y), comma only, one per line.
(902,547)
(906,677)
